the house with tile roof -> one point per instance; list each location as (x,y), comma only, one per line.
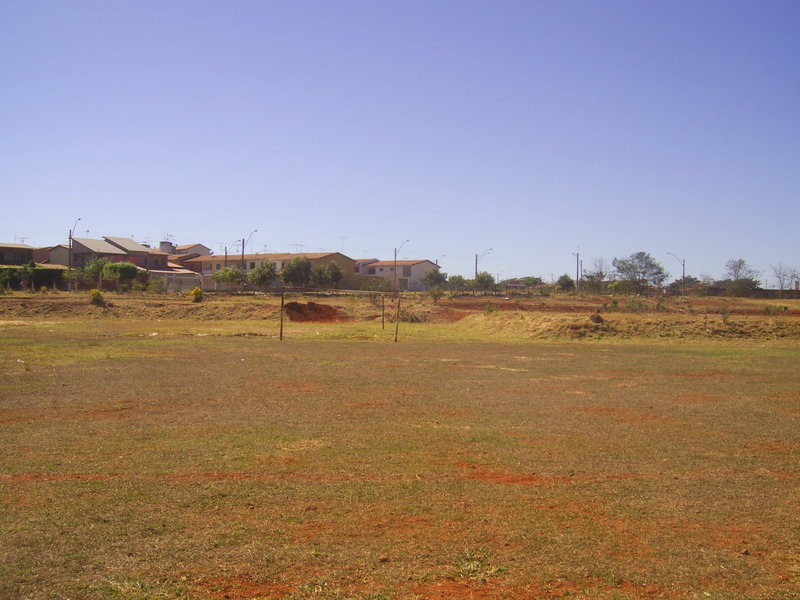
(15,254)
(139,254)
(208,265)
(84,249)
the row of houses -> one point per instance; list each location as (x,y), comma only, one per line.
(184,267)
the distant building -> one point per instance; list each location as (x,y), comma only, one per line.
(198,249)
(15,254)
(208,265)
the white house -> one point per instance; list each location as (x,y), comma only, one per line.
(409,272)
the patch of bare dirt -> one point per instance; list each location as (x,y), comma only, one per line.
(313,311)
(482,473)
(57,477)
(239,588)
(473,590)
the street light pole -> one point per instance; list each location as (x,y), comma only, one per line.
(477,258)
(71,231)
(244,243)
(577,256)
(396,250)
(683,272)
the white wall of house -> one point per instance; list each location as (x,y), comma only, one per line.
(417,272)
(409,277)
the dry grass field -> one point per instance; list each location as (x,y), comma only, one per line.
(160,450)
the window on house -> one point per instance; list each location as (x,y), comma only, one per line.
(252,265)
(218,266)
(371,272)
(406,271)
(381,269)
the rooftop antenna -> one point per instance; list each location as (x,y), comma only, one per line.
(21,239)
(297,247)
(341,246)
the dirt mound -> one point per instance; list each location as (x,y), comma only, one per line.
(312,311)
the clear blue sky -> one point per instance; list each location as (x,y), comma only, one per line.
(532,128)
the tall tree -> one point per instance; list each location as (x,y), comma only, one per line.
(640,270)
(335,273)
(737,268)
(740,278)
(484,282)
(784,276)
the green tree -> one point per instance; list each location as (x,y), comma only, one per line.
(740,278)
(72,276)
(93,270)
(121,272)
(329,275)
(483,282)
(532,281)
(319,276)
(434,278)
(457,283)
(263,275)
(641,270)
(436,293)
(297,272)
(565,283)
(6,277)
(684,284)
(229,275)
(335,273)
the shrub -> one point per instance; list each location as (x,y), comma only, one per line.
(196,295)
(156,285)
(725,311)
(635,305)
(124,273)
(96,298)
(436,293)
